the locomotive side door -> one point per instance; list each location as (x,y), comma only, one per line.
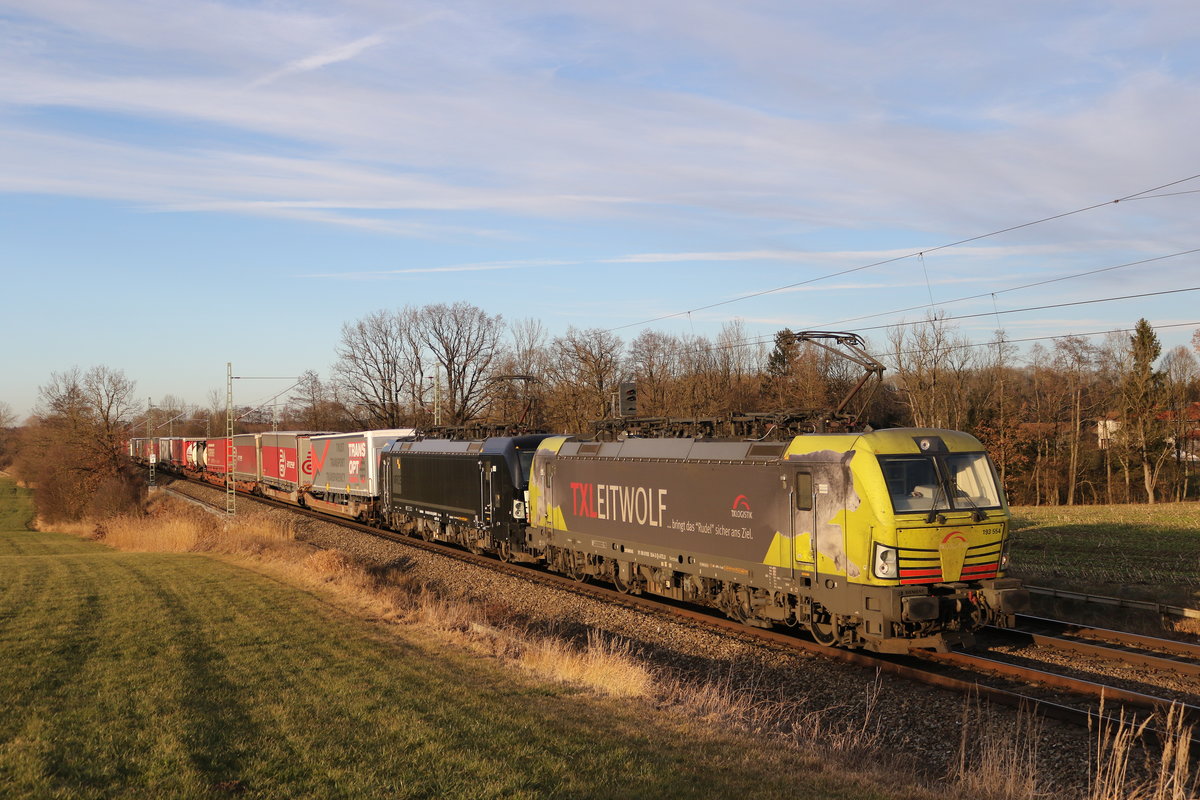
(821,533)
(804,540)
(486,479)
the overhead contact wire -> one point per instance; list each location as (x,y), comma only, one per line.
(1144,194)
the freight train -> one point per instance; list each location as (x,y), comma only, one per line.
(887,540)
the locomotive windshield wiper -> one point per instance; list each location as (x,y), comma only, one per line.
(977,513)
(939,489)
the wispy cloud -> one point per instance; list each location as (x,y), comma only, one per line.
(866,256)
(481,267)
(333,55)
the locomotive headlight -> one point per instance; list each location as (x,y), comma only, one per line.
(886,563)
(1004,559)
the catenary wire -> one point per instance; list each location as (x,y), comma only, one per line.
(1025,340)
(1037,308)
(1144,194)
(760,340)
(1013,288)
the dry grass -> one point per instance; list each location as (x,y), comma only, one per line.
(1187,625)
(995,761)
(606,664)
(1114,770)
(169,526)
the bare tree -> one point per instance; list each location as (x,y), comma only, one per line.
(528,349)
(8,417)
(372,371)
(314,405)
(653,362)
(8,434)
(932,367)
(737,358)
(464,340)
(585,367)
(75,450)
(1181,386)
(108,396)
(517,392)
(1075,361)
(698,387)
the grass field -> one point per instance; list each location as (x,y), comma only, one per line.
(1150,552)
(127,674)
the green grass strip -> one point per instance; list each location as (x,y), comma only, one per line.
(180,675)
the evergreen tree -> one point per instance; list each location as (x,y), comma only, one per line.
(1141,397)
(780,379)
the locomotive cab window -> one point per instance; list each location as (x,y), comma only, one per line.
(944,482)
(804,491)
(972,480)
(526,459)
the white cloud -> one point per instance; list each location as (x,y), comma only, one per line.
(483,267)
(463,108)
(333,55)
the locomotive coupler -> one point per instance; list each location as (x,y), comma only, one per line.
(1004,598)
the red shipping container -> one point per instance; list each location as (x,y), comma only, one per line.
(246,467)
(216,455)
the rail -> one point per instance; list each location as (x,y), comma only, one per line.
(1119,602)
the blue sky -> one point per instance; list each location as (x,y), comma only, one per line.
(184,184)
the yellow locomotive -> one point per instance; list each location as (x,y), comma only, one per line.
(885,540)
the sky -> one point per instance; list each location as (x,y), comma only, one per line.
(189,184)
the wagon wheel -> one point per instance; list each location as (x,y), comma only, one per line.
(504,551)
(575,562)
(614,575)
(733,607)
(822,626)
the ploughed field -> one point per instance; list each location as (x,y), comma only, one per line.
(189,675)
(1145,552)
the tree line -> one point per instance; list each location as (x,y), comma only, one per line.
(1075,421)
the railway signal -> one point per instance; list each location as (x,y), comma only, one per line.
(628,399)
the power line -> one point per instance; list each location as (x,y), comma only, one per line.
(765,339)
(967,345)
(1014,288)
(1038,308)
(1144,194)
(272,397)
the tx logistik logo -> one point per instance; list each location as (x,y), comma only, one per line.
(741,508)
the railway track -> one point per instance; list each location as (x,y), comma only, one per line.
(1046,693)
(1131,648)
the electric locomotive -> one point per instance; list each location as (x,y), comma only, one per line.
(885,540)
(468,492)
